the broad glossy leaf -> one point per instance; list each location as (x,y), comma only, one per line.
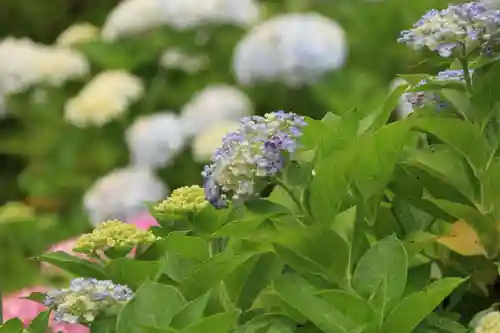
(190,313)
(418,278)
(153,305)
(132,272)
(384,262)
(329,252)
(411,218)
(463,136)
(297,292)
(74,265)
(412,310)
(246,282)
(210,273)
(40,323)
(445,164)
(351,306)
(219,323)
(14,325)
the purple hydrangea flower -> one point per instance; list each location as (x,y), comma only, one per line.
(252,155)
(468,25)
(85,299)
(423,98)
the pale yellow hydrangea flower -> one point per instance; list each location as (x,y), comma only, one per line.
(78,33)
(490,323)
(105,98)
(206,142)
(184,200)
(113,234)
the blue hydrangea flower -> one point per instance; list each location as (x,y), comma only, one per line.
(423,98)
(85,299)
(467,25)
(251,156)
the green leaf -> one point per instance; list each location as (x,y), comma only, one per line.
(219,323)
(103,325)
(331,183)
(74,265)
(297,292)
(36,296)
(351,306)
(190,313)
(418,278)
(40,323)
(380,117)
(14,325)
(246,282)
(268,323)
(153,305)
(131,272)
(463,136)
(411,218)
(416,307)
(414,79)
(384,263)
(210,273)
(445,164)
(208,220)
(378,154)
(316,250)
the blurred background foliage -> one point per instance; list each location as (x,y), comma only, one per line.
(48,164)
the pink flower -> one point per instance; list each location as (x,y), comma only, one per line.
(143,221)
(65,246)
(26,310)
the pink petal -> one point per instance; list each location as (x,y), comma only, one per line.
(144,221)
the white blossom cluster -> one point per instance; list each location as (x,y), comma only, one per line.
(25,64)
(173,58)
(78,33)
(404,107)
(135,16)
(294,49)
(103,99)
(490,323)
(122,194)
(154,140)
(213,105)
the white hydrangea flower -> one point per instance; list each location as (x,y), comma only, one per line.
(26,64)
(295,49)
(215,104)
(103,99)
(154,140)
(188,14)
(134,16)
(122,194)
(490,323)
(176,59)
(78,33)
(404,107)
(206,142)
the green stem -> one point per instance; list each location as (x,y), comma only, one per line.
(467,77)
(290,193)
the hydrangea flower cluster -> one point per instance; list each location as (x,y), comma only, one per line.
(250,156)
(422,98)
(113,234)
(85,299)
(184,200)
(465,25)
(490,323)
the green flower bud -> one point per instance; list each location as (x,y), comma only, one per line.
(113,234)
(490,323)
(182,201)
